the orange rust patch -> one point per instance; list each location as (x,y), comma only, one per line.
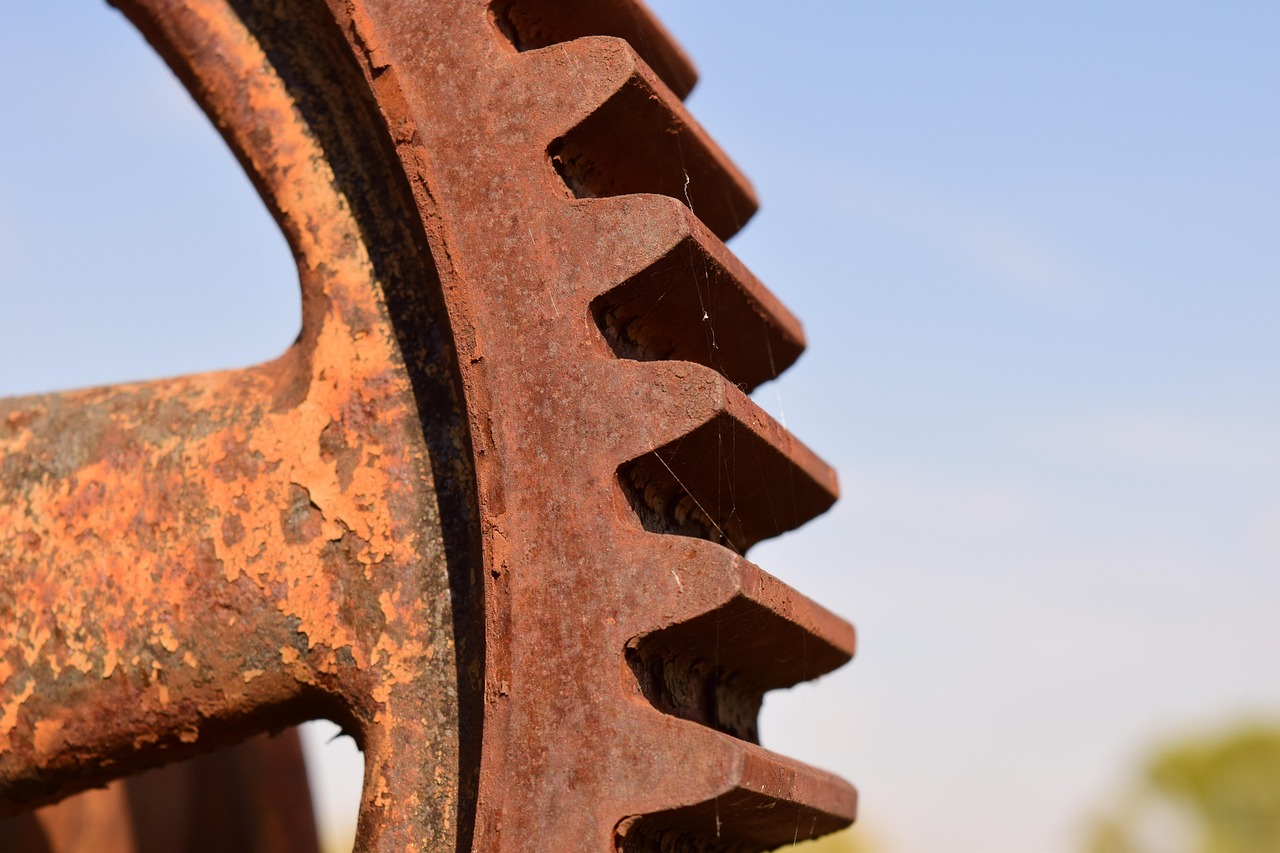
(48,736)
(9,710)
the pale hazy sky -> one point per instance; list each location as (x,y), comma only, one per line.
(1036,247)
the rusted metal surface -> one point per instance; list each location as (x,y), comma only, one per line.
(489,511)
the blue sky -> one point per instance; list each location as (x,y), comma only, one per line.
(1035,248)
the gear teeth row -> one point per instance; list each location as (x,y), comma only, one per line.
(710,633)
(532,24)
(622,131)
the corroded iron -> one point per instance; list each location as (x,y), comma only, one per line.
(489,511)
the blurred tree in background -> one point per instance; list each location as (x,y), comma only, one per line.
(1216,794)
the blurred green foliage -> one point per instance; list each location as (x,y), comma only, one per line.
(1223,791)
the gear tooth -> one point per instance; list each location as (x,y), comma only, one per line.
(562,86)
(714,633)
(736,477)
(663,287)
(697,302)
(766,801)
(686,580)
(614,128)
(533,24)
(654,404)
(626,235)
(731,614)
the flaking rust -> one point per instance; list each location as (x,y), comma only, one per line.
(423,519)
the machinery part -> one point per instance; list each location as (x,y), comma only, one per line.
(488,512)
(251,798)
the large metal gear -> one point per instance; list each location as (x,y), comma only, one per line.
(489,511)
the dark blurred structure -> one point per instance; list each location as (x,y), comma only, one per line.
(251,798)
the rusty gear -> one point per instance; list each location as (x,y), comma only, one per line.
(489,511)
